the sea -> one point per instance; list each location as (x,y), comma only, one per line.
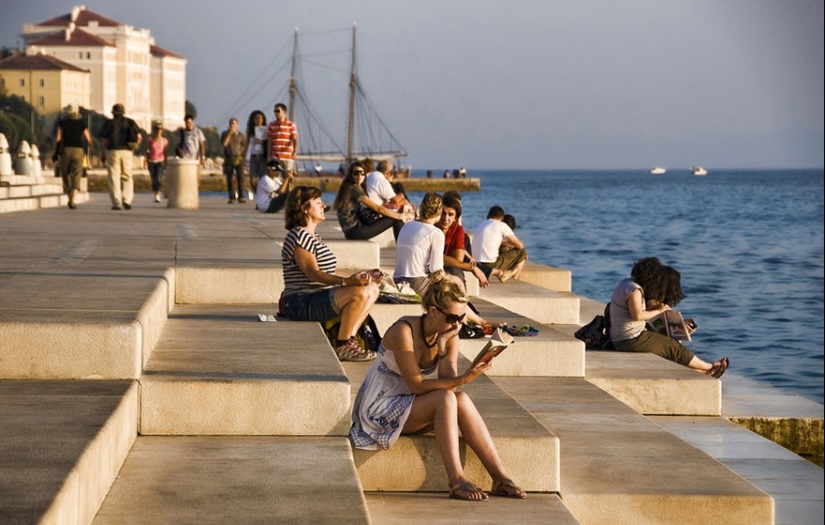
(748,243)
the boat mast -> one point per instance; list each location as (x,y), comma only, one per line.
(351,116)
(292,87)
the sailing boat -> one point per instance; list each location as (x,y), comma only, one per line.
(374,141)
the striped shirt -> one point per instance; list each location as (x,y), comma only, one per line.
(295,280)
(280,135)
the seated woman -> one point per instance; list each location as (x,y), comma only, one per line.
(629,312)
(313,289)
(457,259)
(352,195)
(419,251)
(399,396)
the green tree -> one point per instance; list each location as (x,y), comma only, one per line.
(19,122)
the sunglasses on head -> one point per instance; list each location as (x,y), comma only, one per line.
(452,318)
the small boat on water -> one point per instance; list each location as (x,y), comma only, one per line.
(699,170)
(657,171)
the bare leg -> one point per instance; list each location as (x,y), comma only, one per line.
(439,409)
(518,268)
(355,303)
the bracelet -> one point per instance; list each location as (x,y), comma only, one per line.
(343,281)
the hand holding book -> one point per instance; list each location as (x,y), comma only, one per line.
(496,345)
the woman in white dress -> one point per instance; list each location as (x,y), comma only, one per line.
(412,388)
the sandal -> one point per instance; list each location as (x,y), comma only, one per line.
(501,489)
(718,368)
(469,489)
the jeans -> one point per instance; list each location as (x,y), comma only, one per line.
(312,306)
(368,231)
(156,173)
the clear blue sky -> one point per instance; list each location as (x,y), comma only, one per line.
(524,84)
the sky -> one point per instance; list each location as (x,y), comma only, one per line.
(521,84)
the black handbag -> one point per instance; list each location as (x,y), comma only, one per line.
(367,216)
(596,333)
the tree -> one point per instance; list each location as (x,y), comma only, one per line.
(191,110)
(19,122)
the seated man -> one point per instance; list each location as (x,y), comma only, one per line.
(271,193)
(488,238)
(381,192)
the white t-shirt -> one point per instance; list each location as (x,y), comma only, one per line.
(419,250)
(487,238)
(266,185)
(379,189)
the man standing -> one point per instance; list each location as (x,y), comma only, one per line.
(282,137)
(119,137)
(68,140)
(191,142)
(234,146)
(271,194)
(487,240)
(382,192)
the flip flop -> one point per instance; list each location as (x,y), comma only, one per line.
(466,486)
(718,368)
(499,490)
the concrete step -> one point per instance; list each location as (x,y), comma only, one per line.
(61,446)
(618,467)
(236,480)
(67,318)
(218,370)
(534,302)
(549,277)
(529,451)
(407,508)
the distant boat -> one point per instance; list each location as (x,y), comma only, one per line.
(699,170)
(658,171)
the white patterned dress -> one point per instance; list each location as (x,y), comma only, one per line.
(383,403)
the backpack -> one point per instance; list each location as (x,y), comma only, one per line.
(596,333)
(367,334)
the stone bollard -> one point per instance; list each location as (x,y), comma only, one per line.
(5,157)
(37,167)
(23,160)
(181,180)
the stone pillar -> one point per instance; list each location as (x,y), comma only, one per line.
(181,180)
(23,160)
(5,157)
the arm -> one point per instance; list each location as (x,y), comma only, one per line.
(637,311)
(307,263)
(457,260)
(227,135)
(103,149)
(202,148)
(382,210)
(57,138)
(284,188)
(513,242)
(294,139)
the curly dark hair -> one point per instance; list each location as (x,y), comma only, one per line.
(348,181)
(648,273)
(673,286)
(297,204)
(250,123)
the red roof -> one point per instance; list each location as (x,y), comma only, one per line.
(77,38)
(158,51)
(37,62)
(84,16)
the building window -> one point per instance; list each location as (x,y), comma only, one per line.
(42,83)
(88,55)
(80,55)
(41,100)
(22,82)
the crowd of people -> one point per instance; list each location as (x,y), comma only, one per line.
(414,384)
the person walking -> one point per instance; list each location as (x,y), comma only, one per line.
(191,141)
(234,146)
(119,137)
(68,144)
(282,138)
(156,157)
(256,147)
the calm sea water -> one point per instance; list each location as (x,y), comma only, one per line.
(749,246)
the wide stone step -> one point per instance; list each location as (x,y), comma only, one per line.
(68,319)
(549,277)
(534,302)
(407,508)
(61,446)
(218,370)
(529,451)
(620,468)
(236,480)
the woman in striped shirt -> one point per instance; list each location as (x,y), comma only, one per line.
(313,289)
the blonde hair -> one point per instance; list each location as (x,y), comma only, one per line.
(431,206)
(442,292)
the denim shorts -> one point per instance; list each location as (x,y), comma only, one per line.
(312,306)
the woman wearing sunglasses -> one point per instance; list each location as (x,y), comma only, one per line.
(412,389)
(360,218)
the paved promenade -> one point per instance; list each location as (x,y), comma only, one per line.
(137,385)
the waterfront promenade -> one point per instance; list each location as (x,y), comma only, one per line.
(137,385)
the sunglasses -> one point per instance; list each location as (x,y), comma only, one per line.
(452,318)
(358,172)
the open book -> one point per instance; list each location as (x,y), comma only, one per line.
(496,345)
(670,323)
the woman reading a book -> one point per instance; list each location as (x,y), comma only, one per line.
(412,389)
(631,307)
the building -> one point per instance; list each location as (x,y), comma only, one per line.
(125,66)
(47,83)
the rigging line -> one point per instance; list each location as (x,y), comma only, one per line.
(373,110)
(314,116)
(326,53)
(325,31)
(284,47)
(239,105)
(325,66)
